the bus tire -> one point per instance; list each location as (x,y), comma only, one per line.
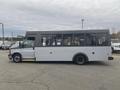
(17,58)
(80,59)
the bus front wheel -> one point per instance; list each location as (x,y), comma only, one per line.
(17,58)
(80,59)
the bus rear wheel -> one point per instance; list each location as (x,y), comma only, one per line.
(17,58)
(80,59)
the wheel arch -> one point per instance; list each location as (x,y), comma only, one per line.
(80,53)
(16,53)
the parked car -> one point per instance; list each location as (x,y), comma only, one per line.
(6,45)
(15,44)
(115,45)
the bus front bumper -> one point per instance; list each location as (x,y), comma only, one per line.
(110,58)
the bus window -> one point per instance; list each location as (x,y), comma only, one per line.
(96,39)
(79,39)
(67,39)
(91,39)
(52,40)
(46,40)
(43,41)
(57,40)
(102,40)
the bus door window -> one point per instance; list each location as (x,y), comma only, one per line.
(28,44)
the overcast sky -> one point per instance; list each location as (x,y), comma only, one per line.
(19,16)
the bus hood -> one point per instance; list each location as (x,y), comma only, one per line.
(16,45)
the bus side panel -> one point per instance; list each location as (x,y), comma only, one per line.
(102,53)
(67,53)
(53,54)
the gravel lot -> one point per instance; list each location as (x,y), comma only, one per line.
(59,75)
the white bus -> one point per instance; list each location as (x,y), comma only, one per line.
(79,46)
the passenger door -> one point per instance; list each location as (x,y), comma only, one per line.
(27,49)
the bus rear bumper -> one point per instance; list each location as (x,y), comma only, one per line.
(110,58)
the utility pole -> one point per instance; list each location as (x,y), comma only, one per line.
(82,23)
(2,32)
(11,36)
